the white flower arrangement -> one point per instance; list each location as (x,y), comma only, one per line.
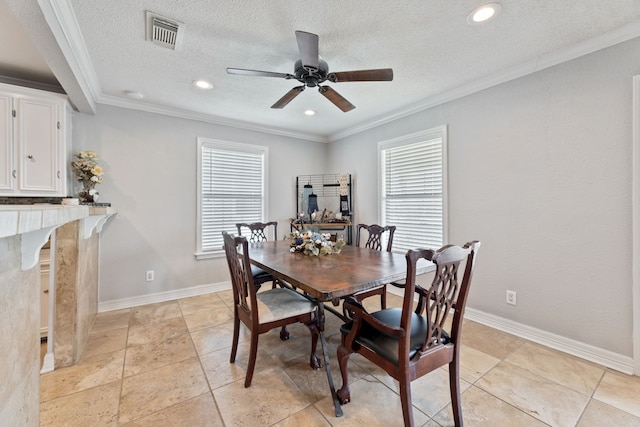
(88,172)
(314,243)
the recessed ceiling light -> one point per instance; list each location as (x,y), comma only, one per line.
(133,94)
(484,13)
(202,84)
(309,112)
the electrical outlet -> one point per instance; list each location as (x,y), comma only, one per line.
(511,297)
(150,276)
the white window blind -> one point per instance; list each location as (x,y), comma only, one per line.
(413,190)
(232,190)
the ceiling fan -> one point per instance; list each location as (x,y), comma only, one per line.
(311,71)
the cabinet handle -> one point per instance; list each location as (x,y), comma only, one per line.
(30,157)
(14,173)
(58,174)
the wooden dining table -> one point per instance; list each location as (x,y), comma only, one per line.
(330,278)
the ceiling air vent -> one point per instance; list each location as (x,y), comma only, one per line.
(164,31)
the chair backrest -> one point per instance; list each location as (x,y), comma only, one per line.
(446,292)
(374,240)
(244,290)
(258,230)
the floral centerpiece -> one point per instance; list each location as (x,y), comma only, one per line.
(314,244)
(89,173)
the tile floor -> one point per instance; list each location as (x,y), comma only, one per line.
(168,364)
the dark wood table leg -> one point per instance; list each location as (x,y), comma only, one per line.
(325,352)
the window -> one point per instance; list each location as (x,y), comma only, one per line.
(413,189)
(231,189)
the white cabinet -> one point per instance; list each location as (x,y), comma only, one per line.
(33,132)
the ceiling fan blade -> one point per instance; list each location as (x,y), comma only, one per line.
(288,97)
(337,99)
(243,72)
(308,47)
(379,75)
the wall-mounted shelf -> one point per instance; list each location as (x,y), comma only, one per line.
(333,194)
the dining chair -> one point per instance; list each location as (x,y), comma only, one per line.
(410,342)
(374,241)
(264,311)
(258,233)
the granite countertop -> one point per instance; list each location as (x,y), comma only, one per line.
(19,219)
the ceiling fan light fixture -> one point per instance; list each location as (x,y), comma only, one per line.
(202,84)
(484,13)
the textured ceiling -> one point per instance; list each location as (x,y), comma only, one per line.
(428,43)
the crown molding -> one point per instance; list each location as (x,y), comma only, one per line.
(206,118)
(603,41)
(32,84)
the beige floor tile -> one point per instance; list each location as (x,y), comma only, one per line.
(105,341)
(220,371)
(111,320)
(298,345)
(206,318)
(153,313)
(96,406)
(88,373)
(313,383)
(226,297)
(199,411)
(161,330)
(480,409)
(155,355)
(600,414)
(559,367)
(620,391)
(217,337)
(308,417)
(273,397)
(489,341)
(474,363)
(169,370)
(372,405)
(155,390)
(430,393)
(201,302)
(544,399)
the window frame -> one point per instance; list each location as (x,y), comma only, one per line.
(214,144)
(439,132)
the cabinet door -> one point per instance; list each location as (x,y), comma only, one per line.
(37,137)
(7,166)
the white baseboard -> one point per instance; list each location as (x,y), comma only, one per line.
(47,364)
(162,296)
(579,349)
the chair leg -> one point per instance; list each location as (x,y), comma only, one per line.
(405,400)
(383,297)
(252,359)
(344,394)
(454,386)
(236,335)
(314,360)
(284,334)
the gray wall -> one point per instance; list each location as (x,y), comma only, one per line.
(150,164)
(540,171)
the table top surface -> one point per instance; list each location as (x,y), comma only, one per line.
(328,277)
